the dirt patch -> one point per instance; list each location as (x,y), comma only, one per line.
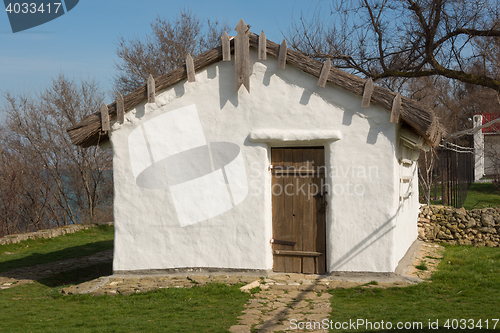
(426,259)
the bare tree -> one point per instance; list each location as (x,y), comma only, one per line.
(165,49)
(444,53)
(425,174)
(405,38)
(47,181)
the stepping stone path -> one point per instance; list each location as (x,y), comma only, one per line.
(272,310)
(290,297)
(131,284)
(299,297)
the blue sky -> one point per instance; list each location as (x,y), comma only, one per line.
(82,43)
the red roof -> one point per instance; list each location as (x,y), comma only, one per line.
(487,117)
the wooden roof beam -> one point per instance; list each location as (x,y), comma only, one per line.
(151,89)
(120,109)
(105,118)
(262,46)
(325,71)
(282,55)
(226,47)
(367,93)
(242,56)
(190,68)
(396,109)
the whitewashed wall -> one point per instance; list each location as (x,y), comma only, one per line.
(406,230)
(491,153)
(360,147)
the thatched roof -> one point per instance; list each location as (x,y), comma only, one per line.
(421,119)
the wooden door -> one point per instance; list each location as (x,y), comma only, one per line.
(299,228)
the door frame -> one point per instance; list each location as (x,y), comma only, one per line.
(325,177)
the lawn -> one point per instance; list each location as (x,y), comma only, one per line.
(39,307)
(40,251)
(482,195)
(466,286)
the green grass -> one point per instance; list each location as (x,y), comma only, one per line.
(436,198)
(39,307)
(371,283)
(40,251)
(422,266)
(482,195)
(466,286)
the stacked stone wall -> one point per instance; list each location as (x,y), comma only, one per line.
(47,233)
(478,227)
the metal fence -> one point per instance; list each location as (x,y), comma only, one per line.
(453,174)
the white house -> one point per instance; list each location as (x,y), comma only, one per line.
(486,145)
(292,175)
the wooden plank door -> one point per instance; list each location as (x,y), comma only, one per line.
(299,228)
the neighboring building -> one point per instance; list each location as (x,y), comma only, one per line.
(487,146)
(288,176)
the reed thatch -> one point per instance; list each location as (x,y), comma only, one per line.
(421,119)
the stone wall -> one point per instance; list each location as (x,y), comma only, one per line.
(478,227)
(47,233)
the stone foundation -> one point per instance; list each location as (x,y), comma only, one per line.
(478,227)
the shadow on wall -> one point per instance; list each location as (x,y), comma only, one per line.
(310,89)
(141,108)
(374,128)
(227,91)
(380,232)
